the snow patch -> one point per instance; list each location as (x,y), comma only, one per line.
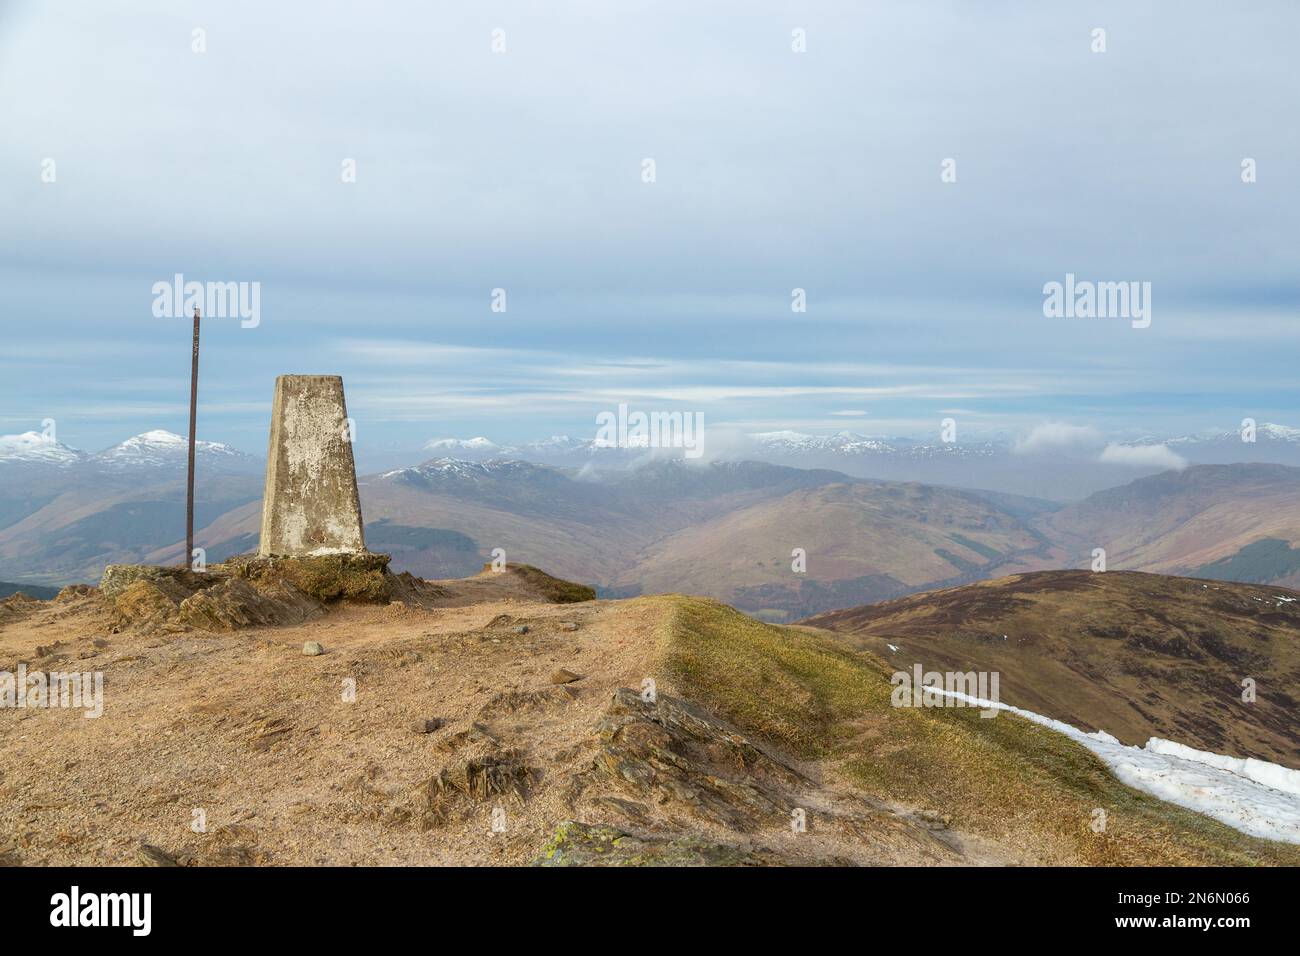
(36,447)
(1258,798)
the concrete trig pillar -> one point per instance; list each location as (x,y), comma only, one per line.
(311,505)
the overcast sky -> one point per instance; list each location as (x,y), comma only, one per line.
(774,170)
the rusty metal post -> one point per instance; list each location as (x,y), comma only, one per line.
(194,414)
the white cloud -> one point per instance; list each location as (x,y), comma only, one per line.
(1059,436)
(1143,456)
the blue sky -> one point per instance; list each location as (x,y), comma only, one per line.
(522,170)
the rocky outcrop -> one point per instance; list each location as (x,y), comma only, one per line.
(233,603)
(361,577)
(494,778)
(687,766)
(16,607)
(176,583)
(177,599)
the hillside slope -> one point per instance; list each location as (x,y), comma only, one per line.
(1137,655)
(491,727)
(863,541)
(1187,522)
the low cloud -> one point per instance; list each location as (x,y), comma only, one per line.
(1143,456)
(1058,436)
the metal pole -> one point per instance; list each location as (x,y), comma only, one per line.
(194,414)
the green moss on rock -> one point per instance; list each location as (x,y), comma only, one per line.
(582,844)
(326,577)
(549,588)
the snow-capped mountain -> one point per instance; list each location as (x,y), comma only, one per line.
(561,443)
(1272,444)
(991,462)
(851,444)
(164,449)
(37,448)
(792,442)
(459,446)
(154,451)
(1279,433)
(1265,432)
(782,445)
(440,469)
(555,450)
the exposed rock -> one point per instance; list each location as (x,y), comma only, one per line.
(16,607)
(474,735)
(514,701)
(234,603)
(563,676)
(224,598)
(455,792)
(521,629)
(150,855)
(265,732)
(426,725)
(312,649)
(176,583)
(689,765)
(144,602)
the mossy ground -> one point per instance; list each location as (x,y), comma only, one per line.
(327,578)
(1005,777)
(548,588)
(578,844)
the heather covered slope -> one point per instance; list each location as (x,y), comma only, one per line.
(490,696)
(1137,655)
(863,541)
(1233,522)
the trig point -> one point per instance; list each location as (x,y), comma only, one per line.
(311,505)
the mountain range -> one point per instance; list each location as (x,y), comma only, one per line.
(775,540)
(156,449)
(1061,463)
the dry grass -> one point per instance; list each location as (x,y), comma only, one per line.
(1004,778)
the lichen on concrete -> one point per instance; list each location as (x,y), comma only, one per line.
(311,505)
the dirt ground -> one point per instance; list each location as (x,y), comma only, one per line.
(236,748)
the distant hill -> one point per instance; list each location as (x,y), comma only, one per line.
(1137,655)
(1208,520)
(863,541)
(725,529)
(998,463)
(41,592)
